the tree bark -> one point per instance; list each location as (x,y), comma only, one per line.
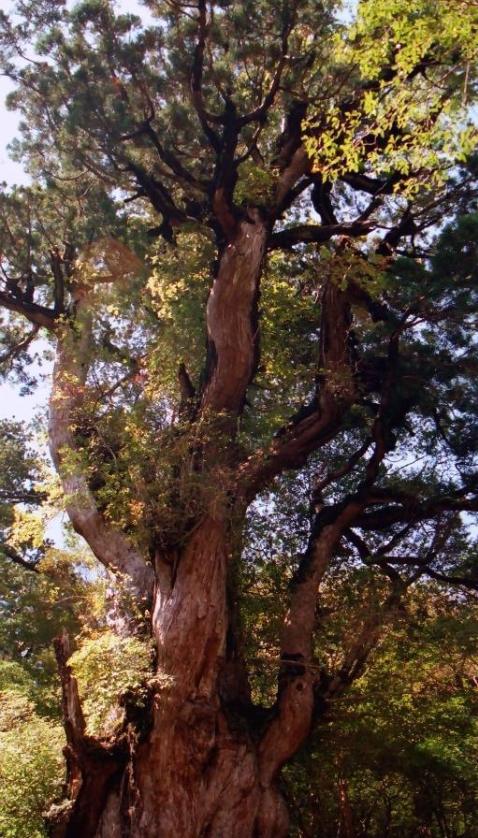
(196,768)
(200,760)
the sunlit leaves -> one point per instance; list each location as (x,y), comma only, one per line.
(31,766)
(414,68)
(106,666)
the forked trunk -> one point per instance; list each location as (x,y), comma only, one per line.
(193,762)
(191,765)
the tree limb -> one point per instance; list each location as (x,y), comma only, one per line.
(318,422)
(387,516)
(69,379)
(307,233)
(231,318)
(40,315)
(17,559)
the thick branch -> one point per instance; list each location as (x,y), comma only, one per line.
(69,376)
(17,559)
(414,511)
(298,166)
(296,698)
(232,318)
(160,198)
(225,176)
(319,422)
(372,186)
(40,315)
(306,233)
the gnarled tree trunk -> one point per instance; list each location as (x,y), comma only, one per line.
(191,763)
(201,759)
(196,768)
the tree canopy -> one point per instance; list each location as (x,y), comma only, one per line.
(250,240)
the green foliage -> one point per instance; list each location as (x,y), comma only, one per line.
(31,766)
(404,742)
(179,285)
(255,185)
(19,470)
(289,308)
(42,589)
(35,607)
(106,667)
(414,66)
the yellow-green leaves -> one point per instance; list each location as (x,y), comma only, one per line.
(106,666)
(179,286)
(401,35)
(31,766)
(27,530)
(409,77)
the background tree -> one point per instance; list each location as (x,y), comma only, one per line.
(302,198)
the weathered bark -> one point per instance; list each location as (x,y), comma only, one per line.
(197,770)
(232,320)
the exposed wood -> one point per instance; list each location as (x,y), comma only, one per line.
(232,322)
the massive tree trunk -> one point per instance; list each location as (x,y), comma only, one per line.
(190,764)
(200,759)
(197,758)
(198,771)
